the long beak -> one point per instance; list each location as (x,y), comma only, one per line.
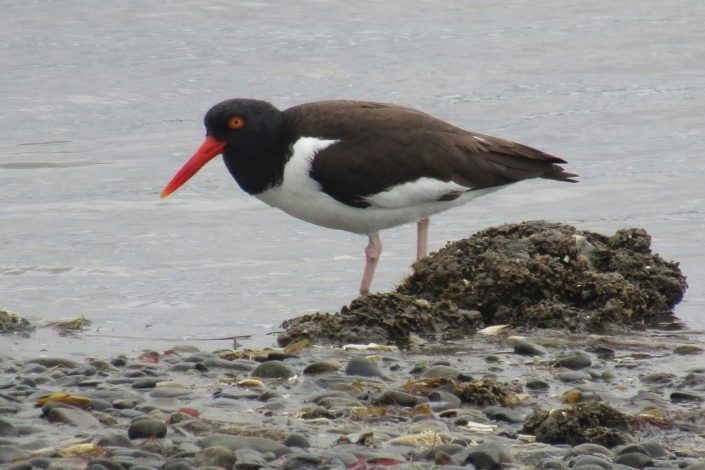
(209,149)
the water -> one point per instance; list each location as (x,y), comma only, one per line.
(101,106)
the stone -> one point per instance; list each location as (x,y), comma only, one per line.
(536,384)
(572,376)
(11,452)
(247,459)
(7,429)
(363,367)
(73,417)
(500,413)
(217,456)
(321,367)
(527,348)
(488,455)
(575,360)
(234,443)
(396,397)
(149,382)
(297,440)
(243,365)
(178,464)
(146,428)
(440,372)
(50,362)
(685,397)
(634,460)
(274,370)
(581,461)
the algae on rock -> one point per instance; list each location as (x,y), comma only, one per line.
(533,274)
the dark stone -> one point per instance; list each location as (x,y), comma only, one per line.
(216,456)
(396,397)
(500,413)
(576,360)
(234,443)
(363,367)
(321,367)
(149,382)
(274,370)
(536,384)
(297,440)
(145,428)
(8,429)
(440,372)
(634,460)
(489,455)
(527,348)
(50,362)
(677,397)
(72,416)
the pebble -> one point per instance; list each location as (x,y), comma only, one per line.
(72,416)
(7,428)
(440,372)
(500,413)
(572,376)
(575,360)
(634,459)
(234,443)
(488,455)
(537,385)
(217,456)
(396,397)
(527,348)
(274,370)
(146,428)
(321,367)
(297,440)
(363,367)
(685,397)
(51,362)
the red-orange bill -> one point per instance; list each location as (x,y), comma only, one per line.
(209,149)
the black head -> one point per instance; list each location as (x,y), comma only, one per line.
(253,138)
(243,119)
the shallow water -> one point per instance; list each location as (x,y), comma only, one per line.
(102,106)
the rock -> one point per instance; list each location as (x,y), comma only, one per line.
(584,422)
(50,362)
(146,428)
(237,364)
(11,452)
(687,349)
(7,429)
(72,416)
(440,372)
(654,449)
(500,413)
(489,455)
(363,367)
(396,397)
(634,459)
(297,440)
(216,456)
(593,461)
(677,397)
(527,348)
(149,382)
(591,448)
(572,376)
(536,384)
(575,360)
(70,463)
(321,367)
(274,370)
(113,438)
(178,464)
(234,443)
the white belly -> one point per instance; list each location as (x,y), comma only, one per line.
(302,197)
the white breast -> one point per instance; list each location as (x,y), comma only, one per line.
(302,197)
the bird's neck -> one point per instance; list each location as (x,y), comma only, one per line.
(259,167)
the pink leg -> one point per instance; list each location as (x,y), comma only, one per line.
(421,238)
(372,254)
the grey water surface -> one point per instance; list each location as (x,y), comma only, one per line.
(102,102)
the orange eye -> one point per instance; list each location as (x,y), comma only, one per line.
(236,122)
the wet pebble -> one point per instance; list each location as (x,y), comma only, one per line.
(217,456)
(634,459)
(575,360)
(274,370)
(297,440)
(7,428)
(321,367)
(234,443)
(536,384)
(396,397)
(679,396)
(488,455)
(363,367)
(72,416)
(527,348)
(146,428)
(572,376)
(440,372)
(500,413)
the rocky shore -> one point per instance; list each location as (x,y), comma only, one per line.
(457,379)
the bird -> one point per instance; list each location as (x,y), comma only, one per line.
(360,166)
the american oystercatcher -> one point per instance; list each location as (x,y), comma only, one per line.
(360,166)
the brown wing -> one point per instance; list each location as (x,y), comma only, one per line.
(382,145)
